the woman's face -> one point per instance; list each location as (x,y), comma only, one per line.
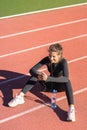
(54,57)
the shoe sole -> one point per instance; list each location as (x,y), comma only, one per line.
(16,104)
(71,120)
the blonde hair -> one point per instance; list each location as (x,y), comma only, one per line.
(56,48)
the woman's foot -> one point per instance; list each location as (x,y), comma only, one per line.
(16,101)
(71,114)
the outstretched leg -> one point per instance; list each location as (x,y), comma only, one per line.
(19,99)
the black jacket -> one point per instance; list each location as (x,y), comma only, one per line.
(58,71)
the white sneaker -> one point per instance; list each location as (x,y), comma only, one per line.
(16,101)
(71,114)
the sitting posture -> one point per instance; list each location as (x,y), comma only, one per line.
(59,77)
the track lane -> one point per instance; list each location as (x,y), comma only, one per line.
(23,61)
(29,40)
(31,117)
(29,22)
(56,117)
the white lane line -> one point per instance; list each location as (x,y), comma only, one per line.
(43,28)
(45,10)
(44,45)
(23,76)
(77,59)
(38,107)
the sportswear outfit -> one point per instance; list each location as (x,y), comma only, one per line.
(58,78)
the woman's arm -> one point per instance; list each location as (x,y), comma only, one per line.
(34,70)
(60,79)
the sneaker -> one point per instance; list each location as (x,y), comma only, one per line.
(71,115)
(16,101)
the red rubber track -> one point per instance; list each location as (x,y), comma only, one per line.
(14,65)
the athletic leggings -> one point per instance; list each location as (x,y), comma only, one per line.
(60,86)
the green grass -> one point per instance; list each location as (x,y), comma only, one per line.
(12,7)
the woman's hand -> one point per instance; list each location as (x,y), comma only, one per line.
(42,76)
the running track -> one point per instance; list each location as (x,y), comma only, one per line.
(24,41)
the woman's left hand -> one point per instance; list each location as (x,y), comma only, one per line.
(43,76)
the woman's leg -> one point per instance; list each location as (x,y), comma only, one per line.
(70,98)
(67,87)
(19,99)
(29,85)
(69,93)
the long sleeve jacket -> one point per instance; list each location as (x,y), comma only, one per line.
(58,71)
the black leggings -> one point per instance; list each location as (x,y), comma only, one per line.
(59,86)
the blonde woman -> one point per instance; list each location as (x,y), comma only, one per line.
(59,77)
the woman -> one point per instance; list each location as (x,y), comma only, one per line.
(59,77)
